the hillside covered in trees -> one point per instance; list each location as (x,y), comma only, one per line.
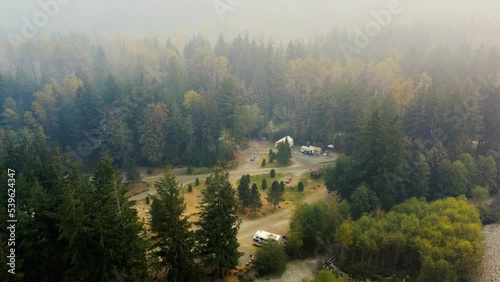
(413,123)
(147,102)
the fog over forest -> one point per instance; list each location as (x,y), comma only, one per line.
(477,21)
(229,140)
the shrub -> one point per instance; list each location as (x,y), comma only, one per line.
(197,182)
(300,186)
(273,173)
(190,188)
(147,200)
(270,259)
(149,171)
(201,170)
(264,184)
(327,276)
(190,170)
(263,162)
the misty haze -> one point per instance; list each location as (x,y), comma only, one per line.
(250,140)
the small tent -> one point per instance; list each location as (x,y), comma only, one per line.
(282,140)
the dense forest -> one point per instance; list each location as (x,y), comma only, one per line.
(145,102)
(412,122)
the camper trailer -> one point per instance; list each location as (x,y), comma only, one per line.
(311,150)
(261,236)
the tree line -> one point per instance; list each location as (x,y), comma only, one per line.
(148,102)
(420,123)
(387,165)
(439,240)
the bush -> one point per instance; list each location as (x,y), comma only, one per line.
(327,276)
(263,162)
(149,171)
(300,186)
(147,200)
(197,182)
(272,156)
(264,184)
(270,259)
(273,173)
(190,188)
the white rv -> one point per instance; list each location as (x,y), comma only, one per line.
(261,236)
(311,150)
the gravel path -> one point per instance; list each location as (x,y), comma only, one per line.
(490,268)
(295,271)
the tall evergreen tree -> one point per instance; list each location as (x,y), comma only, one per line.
(244,192)
(77,228)
(419,177)
(487,172)
(284,152)
(275,194)
(154,127)
(383,153)
(255,201)
(174,241)
(88,115)
(121,250)
(343,177)
(218,225)
(39,253)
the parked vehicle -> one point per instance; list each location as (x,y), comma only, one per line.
(261,236)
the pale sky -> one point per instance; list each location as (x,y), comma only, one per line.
(281,19)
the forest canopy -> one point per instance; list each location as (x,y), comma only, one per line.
(109,97)
(412,123)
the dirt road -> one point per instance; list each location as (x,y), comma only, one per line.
(277,221)
(300,164)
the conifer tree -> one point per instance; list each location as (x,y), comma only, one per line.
(284,152)
(174,241)
(255,201)
(275,195)
(218,225)
(244,192)
(120,250)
